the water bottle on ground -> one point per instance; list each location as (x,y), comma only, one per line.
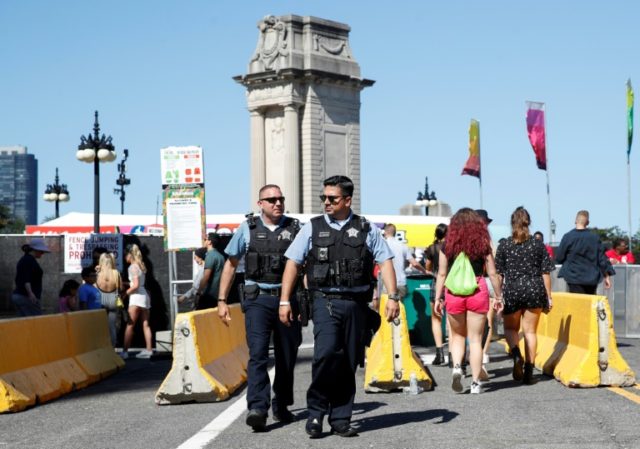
(414,388)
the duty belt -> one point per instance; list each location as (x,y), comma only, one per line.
(347,296)
(271,291)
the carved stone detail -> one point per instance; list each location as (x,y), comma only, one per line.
(332,46)
(272,42)
(277,135)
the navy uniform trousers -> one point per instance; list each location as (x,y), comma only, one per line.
(338,329)
(261,320)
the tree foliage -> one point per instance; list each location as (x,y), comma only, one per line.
(609,235)
(10,224)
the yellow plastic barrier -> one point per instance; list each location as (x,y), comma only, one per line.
(90,343)
(209,358)
(390,359)
(577,344)
(38,360)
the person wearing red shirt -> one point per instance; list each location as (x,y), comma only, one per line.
(620,253)
(539,236)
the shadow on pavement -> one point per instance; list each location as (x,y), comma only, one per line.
(396,419)
(137,375)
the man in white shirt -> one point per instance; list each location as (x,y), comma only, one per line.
(401,258)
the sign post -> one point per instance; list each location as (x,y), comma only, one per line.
(183,210)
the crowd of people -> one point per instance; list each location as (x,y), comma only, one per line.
(101,287)
(326,271)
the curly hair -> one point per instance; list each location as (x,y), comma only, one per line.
(467,232)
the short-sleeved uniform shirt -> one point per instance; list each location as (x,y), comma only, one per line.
(239,243)
(302,244)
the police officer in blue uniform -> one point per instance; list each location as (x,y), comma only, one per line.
(338,250)
(263,241)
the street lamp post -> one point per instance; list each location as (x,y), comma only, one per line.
(56,192)
(553,232)
(425,198)
(122,180)
(95,148)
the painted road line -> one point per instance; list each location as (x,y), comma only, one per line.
(636,386)
(211,431)
(627,394)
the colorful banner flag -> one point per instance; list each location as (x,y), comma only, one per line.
(629,117)
(472,167)
(536,131)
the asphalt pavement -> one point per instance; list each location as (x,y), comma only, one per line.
(120,412)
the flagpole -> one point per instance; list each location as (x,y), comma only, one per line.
(629,199)
(630,101)
(548,199)
(480,164)
(546,138)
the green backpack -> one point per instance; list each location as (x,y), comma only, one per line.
(461,280)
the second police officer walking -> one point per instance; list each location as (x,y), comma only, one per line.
(338,250)
(263,240)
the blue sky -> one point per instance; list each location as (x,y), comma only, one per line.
(160,74)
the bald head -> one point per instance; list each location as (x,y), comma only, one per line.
(582,219)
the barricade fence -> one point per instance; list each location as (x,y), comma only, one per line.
(623,296)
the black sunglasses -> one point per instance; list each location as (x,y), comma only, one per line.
(273,199)
(332,199)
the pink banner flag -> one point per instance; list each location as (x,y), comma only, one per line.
(536,131)
(472,167)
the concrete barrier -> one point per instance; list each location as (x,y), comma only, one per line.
(209,358)
(90,344)
(390,359)
(577,343)
(38,360)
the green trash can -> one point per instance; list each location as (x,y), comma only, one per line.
(417,306)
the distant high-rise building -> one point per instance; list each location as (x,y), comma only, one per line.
(19,182)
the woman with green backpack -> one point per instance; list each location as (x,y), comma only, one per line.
(463,260)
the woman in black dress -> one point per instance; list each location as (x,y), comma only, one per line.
(524,264)
(432,256)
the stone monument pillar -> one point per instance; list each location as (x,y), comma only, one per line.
(303,92)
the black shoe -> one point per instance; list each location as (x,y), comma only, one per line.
(518,363)
(344,430)
(464,365)
(283,415)
(313,427)
(527,377)
(257,420)
(439,359)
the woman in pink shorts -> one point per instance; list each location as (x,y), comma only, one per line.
(467,314)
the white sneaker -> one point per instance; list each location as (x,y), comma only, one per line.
(456,379)
(144,354)
(485,359)
(476,388)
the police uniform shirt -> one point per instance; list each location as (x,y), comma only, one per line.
(302,244)
(239,243)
